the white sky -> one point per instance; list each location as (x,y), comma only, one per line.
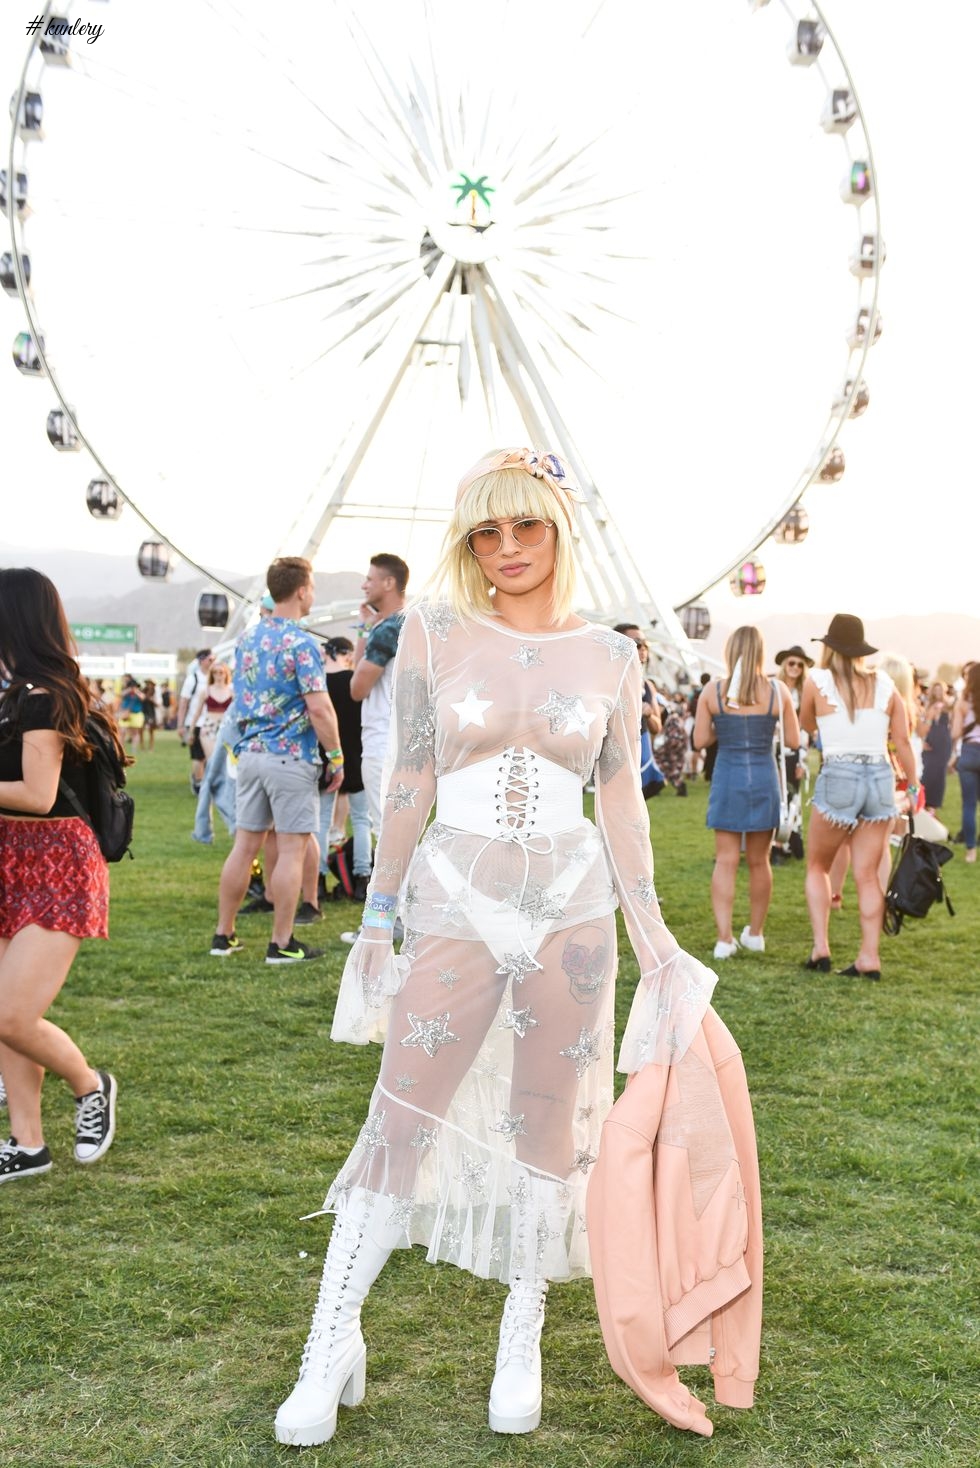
(711,404)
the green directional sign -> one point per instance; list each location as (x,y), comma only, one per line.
(104,632)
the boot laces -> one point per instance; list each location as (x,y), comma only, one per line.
(345,1242)
(520,1327)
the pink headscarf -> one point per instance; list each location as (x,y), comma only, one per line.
(544,466)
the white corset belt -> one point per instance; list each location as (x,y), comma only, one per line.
(516,797)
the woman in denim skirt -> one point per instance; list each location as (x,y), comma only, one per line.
(856,712)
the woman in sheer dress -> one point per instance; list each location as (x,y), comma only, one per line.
(497,1016)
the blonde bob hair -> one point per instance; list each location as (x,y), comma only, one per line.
(503,494)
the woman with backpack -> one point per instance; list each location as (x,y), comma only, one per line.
(54,882)
(857,712)
(966,727)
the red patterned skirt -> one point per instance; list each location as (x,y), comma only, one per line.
(52,875)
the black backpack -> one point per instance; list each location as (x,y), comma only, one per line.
(111,817)
(916,881)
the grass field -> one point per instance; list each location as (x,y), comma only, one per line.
(154,1307)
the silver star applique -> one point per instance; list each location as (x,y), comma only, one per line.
(584,1052)
(457,909)
(430,1034)
(438,617)
(425,1137)
(545,1236)
(584,1112)
(537,903)
(419,731)
(473,1176)
(402,796)
(411,896)
(692,995)
(372,1134)
(412,936)
(643,890)
(509,1126)
(583,1161)
(520,1192)
(401,1211)
(584,852)
(528,657)
(517,966)
(566,713)
(436,833)
(518,1020)
(449,977)
(389,868)
(405,1083)
(618,645)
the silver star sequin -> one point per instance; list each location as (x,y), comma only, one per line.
(438,617)
(584,1052)
(402,796)
(583,1161)
(405,1083)
(457,909)
(545,1236)
(449,977)
(537,903)
(436,833)
(412,936)
(618,645)
(389,868)
(430,1034)
(473,1176)
(419,731)
(520,1192)
(425,1137)
(643,890)
(584,852)
(566,713)
(372,1133)
(411,897)
(450,1237)
(528,656)
(517,966)
(509,1126)
(519,1020)
(584,1112)
(401,1211)
(693,994)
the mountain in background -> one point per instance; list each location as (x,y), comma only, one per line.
(101,588)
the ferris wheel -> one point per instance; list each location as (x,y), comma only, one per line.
(326,267)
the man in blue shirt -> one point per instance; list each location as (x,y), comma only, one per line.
(283,711)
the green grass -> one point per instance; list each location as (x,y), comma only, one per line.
(153,1308)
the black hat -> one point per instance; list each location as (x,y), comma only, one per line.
(795,651)
(846,636)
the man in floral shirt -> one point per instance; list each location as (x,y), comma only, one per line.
(283,711)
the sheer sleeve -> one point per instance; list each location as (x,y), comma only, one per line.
(674,988)
(372,974)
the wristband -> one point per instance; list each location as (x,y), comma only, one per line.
(378,902)
(373,919)
(335,754)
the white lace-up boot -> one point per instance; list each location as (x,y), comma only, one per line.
(333,1369)
(515,1397)
(538,1221)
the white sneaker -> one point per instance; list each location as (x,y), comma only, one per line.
(726,950)
(755,942)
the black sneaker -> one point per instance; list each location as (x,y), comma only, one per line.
(15,1162)
(293,952)
(259,904)
(307,914)
(224,943)
(95,1120)
(360,888)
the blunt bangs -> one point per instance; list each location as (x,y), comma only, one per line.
(504,494)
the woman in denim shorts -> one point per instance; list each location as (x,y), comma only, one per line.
(856,712)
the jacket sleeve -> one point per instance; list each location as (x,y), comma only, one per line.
(674,989)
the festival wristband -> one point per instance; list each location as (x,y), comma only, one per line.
(381,902)
(372,919)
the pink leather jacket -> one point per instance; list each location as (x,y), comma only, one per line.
(675,1230)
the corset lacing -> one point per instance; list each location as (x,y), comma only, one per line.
(516,807)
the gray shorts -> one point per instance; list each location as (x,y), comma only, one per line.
(850,791)
(276,791)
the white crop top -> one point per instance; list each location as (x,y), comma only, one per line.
(868,734)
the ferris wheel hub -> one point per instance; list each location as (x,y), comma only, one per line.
(468,219)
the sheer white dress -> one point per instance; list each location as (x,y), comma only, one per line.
(497,1016)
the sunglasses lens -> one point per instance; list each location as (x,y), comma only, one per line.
(485,541)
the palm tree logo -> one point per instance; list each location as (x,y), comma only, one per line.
(476,190)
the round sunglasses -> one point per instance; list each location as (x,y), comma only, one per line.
(486,540)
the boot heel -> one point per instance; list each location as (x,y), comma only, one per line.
(356,1384)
